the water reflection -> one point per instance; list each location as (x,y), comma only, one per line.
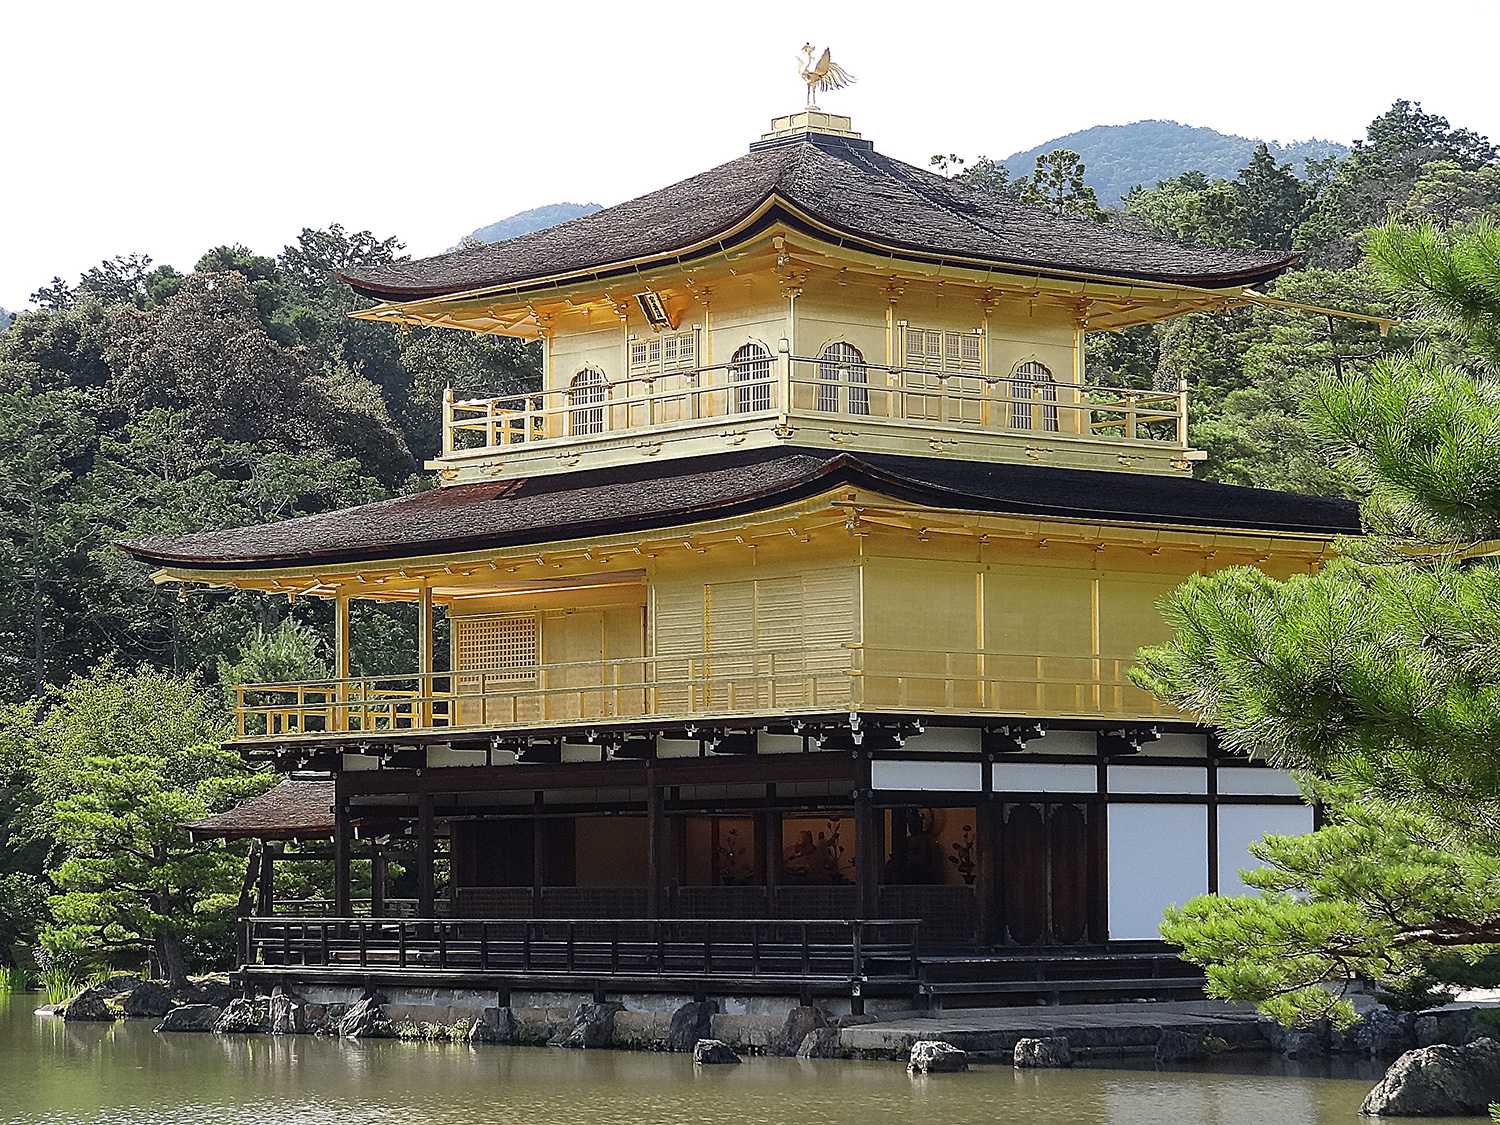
(53,1073)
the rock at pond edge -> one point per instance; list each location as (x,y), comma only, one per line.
(1048,1052)
(89,1006)
(690,1023)
(1438,1081)
(933,1056)
(191,1017)
(714,1052)
(150,998)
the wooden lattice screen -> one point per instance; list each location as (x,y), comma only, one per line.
(504,647)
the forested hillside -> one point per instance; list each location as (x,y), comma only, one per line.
(1118,157)
(139,401)
(538,218)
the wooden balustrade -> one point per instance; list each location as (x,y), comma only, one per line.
(744,950)
(869,393)
(716,684)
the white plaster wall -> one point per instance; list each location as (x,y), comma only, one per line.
(959,740)
(1158,779)
(1043,777)
(1065,742)
(1177,745)
(444,756)
(1241,825)
(950,777)
(1158,855)
(1246,781)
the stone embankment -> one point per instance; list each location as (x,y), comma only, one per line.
(1171,1033)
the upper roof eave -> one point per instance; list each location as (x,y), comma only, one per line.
(774,206)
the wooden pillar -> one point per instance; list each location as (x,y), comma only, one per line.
(867,849)
(379,872)
(655,844)
(986,867)
(265,898)
(771,872)
(341,659)
(342,875)
(341,636)
(538,853)
(425,651)
(426,860)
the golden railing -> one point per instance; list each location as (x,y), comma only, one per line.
(924,398)
(700,686)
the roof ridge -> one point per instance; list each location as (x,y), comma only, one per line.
(865,195)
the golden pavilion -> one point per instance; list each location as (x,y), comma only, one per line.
(787,624)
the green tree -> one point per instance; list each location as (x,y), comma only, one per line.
(1191,208)
(1057,184)
(985,174)
(44,541)
(1377,178)
(472,365)
(119,761)
(1379,676)
(1275,201)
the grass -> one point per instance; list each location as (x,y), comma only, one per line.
(13,980)
(62,985)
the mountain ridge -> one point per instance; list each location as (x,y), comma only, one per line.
(1117,157)
(537,218)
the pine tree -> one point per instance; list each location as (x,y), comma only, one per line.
(1378,676)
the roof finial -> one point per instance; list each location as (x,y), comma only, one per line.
(825,75)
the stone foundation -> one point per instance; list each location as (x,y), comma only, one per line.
(777,1026)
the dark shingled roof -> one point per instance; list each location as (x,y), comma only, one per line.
(846,185)
(292,809)
(593,502)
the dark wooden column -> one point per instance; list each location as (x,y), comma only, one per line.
(771,872)
(655,844)
(379,864)
(426,860)
(987,858)
(867,849)
(342,874)
(265,878)
(986,868)
(538,852)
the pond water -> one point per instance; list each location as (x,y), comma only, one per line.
(124,1074)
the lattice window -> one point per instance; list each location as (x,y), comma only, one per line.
(752,369)
(587,389)
(504,648)
(934,349)
(1033,382)
(842,363)
(664,353)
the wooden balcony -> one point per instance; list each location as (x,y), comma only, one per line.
(782,398)
(721,685)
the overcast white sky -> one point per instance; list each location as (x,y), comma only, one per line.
(168,128)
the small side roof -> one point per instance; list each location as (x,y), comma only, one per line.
(556,507)
(291,810)
(844,185)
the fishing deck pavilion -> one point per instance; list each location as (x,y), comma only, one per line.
(779,642)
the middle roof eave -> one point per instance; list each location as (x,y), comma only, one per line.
(573,506)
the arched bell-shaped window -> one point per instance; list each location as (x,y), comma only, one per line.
(751,372)
(841,366)
(1032,383)
(586,394)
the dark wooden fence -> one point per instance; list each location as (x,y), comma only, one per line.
(750,951)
